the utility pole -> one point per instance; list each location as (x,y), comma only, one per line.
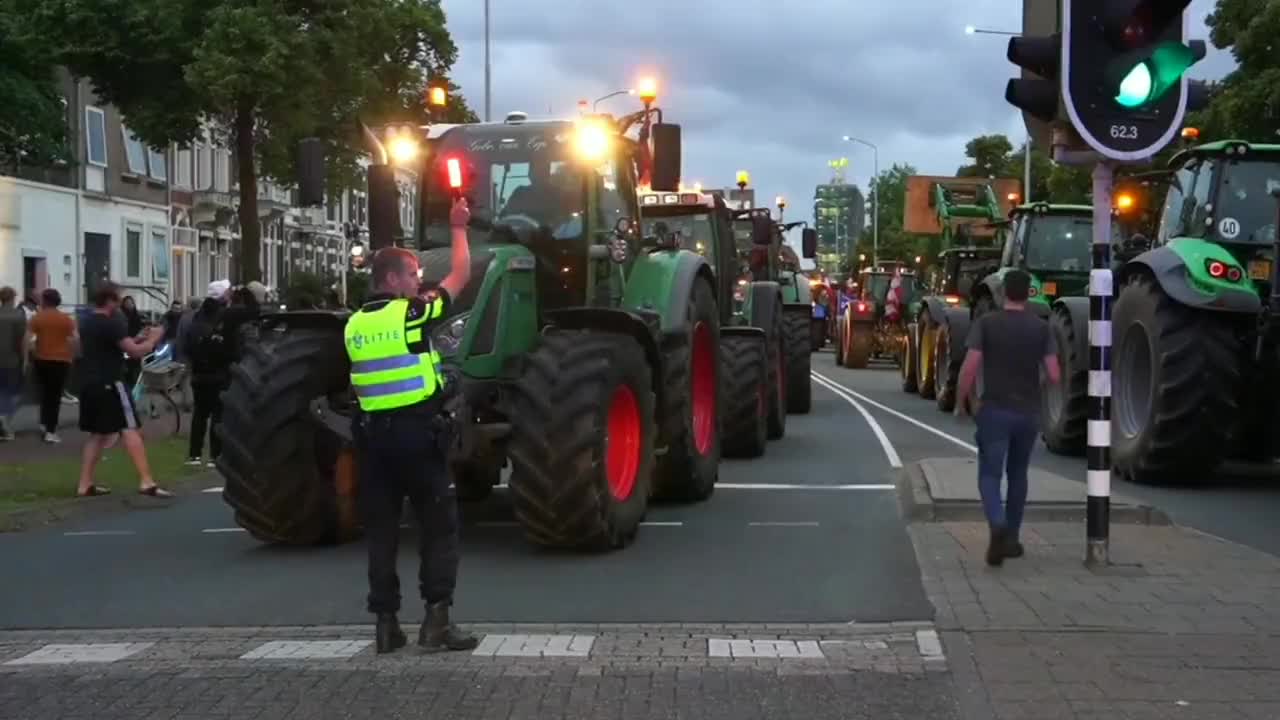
(487,69)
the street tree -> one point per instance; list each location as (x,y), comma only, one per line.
(33,123)
(988,155)
(1246,104)
(891,185)
(267,73)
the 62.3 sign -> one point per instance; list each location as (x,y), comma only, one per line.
(1124,132)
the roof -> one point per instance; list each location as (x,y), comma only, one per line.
(1222,147)
(499,128)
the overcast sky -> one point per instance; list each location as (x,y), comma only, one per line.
(764,89)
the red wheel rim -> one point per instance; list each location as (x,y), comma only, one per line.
(704,389)
(622,444)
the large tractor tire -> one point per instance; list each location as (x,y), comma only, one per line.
(775,337)
(910,372)
(690,467)
(838,339)
(744,380)
(1064,408)
(1176,383)
(926,362)
(859,344)
(946,372)
(289,480)
(582,438)
(799,348)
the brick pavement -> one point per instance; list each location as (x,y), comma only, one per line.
(1183,625)
(737,672)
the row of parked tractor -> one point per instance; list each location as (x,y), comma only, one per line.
(1195,369)
(610,348)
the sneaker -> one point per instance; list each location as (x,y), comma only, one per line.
(192,462)
(6,436)
(211,465)
(69,399)
(52,438)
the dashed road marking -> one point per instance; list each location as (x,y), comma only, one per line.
(783,524)
(900,415)
(535,645)
(787,486)
(840,392)
(98,533)
(62,654)
(306,650)
(212,490)
(223,530)
(929,645)
(798,649)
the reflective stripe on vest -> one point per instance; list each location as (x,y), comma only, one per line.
(384,373)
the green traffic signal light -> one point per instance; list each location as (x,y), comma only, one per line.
(1135,88)
(1144,76)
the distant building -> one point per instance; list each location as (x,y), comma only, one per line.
(839,215)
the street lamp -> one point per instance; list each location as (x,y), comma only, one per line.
(875,197)
(1026,147)
(616,93)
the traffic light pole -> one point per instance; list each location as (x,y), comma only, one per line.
(1098,504)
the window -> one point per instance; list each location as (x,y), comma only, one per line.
(183,170)
(221,170)
(158,164)
(204,166)
(612,204)
(95,125)
(159,256)
(134,152)
(133,252)
(1171,221)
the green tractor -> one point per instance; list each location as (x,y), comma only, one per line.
(775,262)
(751,325)
(873,325)
(959,267)
(1194,333)
(582,353)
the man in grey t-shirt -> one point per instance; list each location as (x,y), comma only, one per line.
(1009,347)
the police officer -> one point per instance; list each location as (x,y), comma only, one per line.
(397,379)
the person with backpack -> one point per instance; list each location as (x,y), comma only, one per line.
(209,356)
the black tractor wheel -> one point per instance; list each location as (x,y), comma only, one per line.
(689,468)
(927,339)
(582,437)
(859,344)
(1064,408)
(776,339)
(799,386)
(946,372)
(817,334)
(744,382)
(289,480)
(838,339)
(910,371)
(1175,385)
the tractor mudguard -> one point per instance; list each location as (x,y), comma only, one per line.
(958,320)
(644,326)
(936,307)
(661,282)
(1078,307)
(1180,269)
(762,303)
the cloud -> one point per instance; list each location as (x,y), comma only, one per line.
(761,88)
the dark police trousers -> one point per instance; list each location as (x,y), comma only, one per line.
(399,455)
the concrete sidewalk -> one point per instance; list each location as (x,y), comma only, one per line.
(1182,625)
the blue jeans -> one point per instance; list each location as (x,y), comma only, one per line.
(10,391)
(1005,440)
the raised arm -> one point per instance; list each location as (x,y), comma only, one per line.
(460,258)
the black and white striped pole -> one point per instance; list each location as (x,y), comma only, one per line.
(1098,505)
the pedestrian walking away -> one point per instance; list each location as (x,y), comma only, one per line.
(209,355)
(401,439)
(52,341)
(1009,348)
(106,405)
(13,332)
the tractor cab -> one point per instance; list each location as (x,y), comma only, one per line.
(694,221)
(1053,243)
(958,270)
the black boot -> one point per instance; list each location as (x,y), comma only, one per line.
(388,634)
(438,633)
(1012,548)
(996,548)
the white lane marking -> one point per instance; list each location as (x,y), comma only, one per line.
(223,530)
(662,523)
(535,645)
(783,524)
(80,653)
(839,391)
(212,490)
(306,649)
(786,486)
(900,415)
(929,645)
(785,649)
(95,533)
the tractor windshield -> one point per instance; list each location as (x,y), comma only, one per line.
(971,270)
(694,231)
(876,286)
(520,184)
(1246,210)
(1059,243)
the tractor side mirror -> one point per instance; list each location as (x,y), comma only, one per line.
(310,172)
(809,243)
(666,157)
(761,229)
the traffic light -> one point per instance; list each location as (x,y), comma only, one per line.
(1042,56)
(1124,64)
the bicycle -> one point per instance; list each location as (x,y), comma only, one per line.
(152,393)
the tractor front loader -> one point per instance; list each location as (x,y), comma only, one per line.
(581,354)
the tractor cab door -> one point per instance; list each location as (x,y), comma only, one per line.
(612,206)
(725,260)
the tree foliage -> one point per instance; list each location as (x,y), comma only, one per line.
(891,185)
(1246,103)
(268,72)
(33,127)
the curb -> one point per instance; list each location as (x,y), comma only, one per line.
(60,511)
(919,506)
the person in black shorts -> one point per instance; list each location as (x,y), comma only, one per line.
(106,405)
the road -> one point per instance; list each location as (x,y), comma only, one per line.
(1240,509)
(809,533)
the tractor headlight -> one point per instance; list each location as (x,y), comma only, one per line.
(448,336)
